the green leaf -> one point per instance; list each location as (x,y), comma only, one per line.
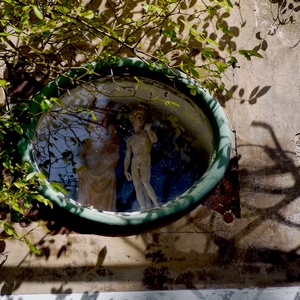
(19,184)
(88,14)
(62,9)
(168,103)
(171,34)
(94,117)
(47,33)
(3,83)
(211,10)
(212,42)
(41,176)
(229,3)
(10,230)
(145,7)
(39,197)
(177,131)
(229,93)
(249,53)
(245,54)
(18,129)
(3,22)
(193,90)
(16,207)
(46,105)
(105,41)
(26,7)
(43,199)
(183,67)
(207,53)
(225,29)
(228,49)
(232,62)
(138,80)
(56,100)
(31,246)
(254,53)
(37,12)
(58,187)
(195,73)
(226,4)
(151,66)
(17,30)
(220,66)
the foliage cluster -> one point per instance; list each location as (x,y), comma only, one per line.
(18,186)
(41,39)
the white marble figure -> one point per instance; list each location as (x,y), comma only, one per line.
(96,170)
(139,158)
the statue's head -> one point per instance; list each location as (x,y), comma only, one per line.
(137,113)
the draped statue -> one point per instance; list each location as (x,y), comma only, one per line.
(96,169)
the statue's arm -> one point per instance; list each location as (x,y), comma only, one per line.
(151,134)
(80,162)
(127,162)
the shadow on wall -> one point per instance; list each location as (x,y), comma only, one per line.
(280,13)
(284,12)
(239,94)
(215,258)
(282,163)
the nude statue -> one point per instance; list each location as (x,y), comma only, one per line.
(138,155)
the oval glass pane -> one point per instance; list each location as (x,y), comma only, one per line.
(125,145)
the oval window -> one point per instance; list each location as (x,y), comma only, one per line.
(124,145)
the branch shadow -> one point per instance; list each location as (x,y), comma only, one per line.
(283,13)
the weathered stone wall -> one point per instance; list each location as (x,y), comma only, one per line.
(259,249)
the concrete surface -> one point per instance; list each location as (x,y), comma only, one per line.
(215,294)
(261,249)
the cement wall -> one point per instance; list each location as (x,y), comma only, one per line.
(258,249)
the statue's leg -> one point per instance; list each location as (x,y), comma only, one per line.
(137,182)
(145,179)
(151,193)
(148,201)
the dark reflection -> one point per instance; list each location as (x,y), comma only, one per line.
(112,150)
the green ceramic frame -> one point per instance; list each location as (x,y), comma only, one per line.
(222,136)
